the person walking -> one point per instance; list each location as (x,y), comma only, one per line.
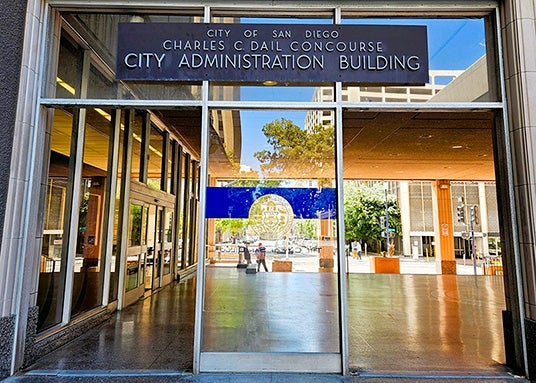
(247,255)
(260,255)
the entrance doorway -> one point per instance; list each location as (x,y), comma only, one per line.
(294,318)
(154,248)
(150,239)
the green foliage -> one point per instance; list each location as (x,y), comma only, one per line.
(234,226)
(364,205)
(253,183)
(307,228)
(307,152)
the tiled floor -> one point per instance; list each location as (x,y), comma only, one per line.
(397,324)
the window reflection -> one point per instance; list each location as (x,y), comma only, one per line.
(458,64)
(275,192)
(154,164)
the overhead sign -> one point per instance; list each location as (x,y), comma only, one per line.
(387,54)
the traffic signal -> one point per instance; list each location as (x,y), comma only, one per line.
(460,210)
(382,222)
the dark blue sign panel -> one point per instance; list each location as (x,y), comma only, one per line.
(307,203)
(387,54)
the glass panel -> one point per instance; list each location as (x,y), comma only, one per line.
(158,241)
(152,251)
(269,91)
(458,66)
(135,158)
(101,29)
(114,277)
(402,146)
(88,268)
(69,76)
(51,271)
(100,85)
(271,207)
(144,239)
(154,169)
(168,241)
(170,163)
(180,224)
(186,223)
(134,240)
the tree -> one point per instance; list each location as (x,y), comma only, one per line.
(295,151)
(364,205)
(235,226)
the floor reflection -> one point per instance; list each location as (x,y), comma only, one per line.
(401,323)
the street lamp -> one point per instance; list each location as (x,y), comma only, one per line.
(386,188)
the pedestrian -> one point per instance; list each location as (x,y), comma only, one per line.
(247,255)
(260,255)
(356,249)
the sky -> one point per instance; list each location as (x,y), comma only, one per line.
(453,44)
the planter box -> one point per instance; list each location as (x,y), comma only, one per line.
(281,265)
(385,265)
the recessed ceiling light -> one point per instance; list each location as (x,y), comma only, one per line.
(457,147)
(269,83)
(482,155)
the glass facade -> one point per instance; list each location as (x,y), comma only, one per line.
(249,175)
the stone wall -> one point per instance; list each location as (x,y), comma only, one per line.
(7,327)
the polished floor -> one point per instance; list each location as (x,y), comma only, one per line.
(398,325)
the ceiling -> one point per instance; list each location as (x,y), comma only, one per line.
(402,145)
(418,145)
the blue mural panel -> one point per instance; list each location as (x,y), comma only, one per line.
(235,202)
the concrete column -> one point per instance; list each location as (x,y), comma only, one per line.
(326,242)
(405,217)
(20,168)
(444,238)
(518,24)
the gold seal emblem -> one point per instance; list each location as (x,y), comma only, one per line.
(271,216)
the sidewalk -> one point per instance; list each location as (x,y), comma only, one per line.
(178,377)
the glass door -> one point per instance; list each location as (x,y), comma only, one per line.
(153,261)
(271,283)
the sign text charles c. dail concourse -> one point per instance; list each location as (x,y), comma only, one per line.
(389,54)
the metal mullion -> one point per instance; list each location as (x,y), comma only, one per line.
(270,105)
(179,206)
(201,233)
(177,170)
(339,180)
(394,106)
(165,162)
(118,103)
(186,210)
(77,146)
(518,262)
(392,7)
(203,178)
(124,209)
(339,187)
(193,202)
(111,187)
